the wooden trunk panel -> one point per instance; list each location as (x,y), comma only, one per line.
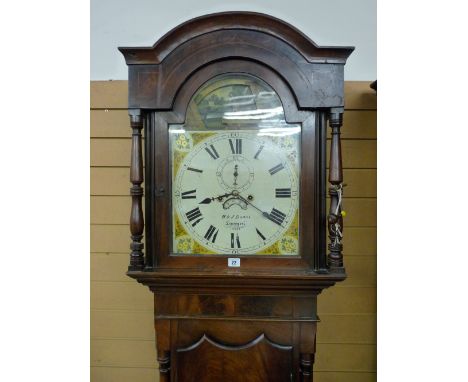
(257,361)
(343,376)
(237,332)
(241,306)
(235,350)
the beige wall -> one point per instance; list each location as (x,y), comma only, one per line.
(122,335)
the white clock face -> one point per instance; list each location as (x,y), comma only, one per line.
(235,191)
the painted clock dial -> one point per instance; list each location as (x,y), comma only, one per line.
(235,189)
(236,192)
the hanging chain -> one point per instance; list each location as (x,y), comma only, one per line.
(336,227)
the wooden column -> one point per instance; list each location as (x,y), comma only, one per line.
(137,262)
(335,177)
(163,340)
(164,366)
(307,361)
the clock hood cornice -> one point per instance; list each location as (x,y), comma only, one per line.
(252,21)
(314,74)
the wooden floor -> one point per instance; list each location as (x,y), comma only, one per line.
(122,339)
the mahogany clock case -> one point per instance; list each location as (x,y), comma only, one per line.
(257,322)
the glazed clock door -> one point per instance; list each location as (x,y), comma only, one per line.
(235,172)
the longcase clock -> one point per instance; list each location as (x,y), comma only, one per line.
(234,108)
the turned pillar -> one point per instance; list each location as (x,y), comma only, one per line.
(164,365)
(137,261)
(335,178)
(306,367)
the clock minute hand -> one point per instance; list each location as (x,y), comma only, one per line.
(264,214)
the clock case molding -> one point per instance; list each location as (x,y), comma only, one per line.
(309,81)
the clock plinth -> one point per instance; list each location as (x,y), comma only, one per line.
(234,108)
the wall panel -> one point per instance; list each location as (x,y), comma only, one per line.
(350,328)
(110,123)
(124,374)
(118,295)
(122,324)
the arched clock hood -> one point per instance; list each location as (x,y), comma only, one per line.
(315,73)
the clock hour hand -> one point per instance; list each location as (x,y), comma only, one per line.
(206,201)
(209,200)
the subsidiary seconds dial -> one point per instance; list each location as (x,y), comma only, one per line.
(236,192)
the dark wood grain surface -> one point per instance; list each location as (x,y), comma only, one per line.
(258,360)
